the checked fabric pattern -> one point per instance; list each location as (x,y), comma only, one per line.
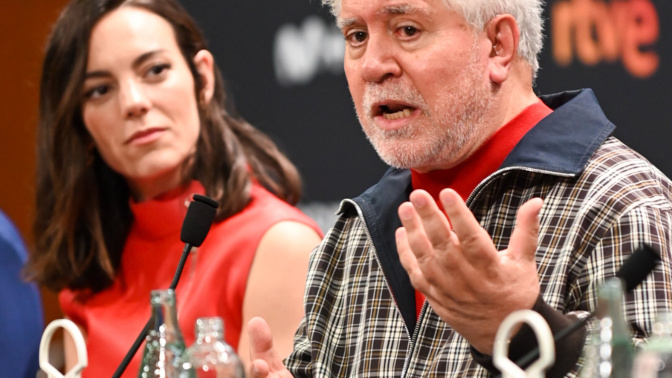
(590,223)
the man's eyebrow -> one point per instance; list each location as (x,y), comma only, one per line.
(404,9)
(136,63)
(391,10)
(344,23)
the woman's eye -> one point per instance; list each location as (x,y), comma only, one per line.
(158,69)
(97,91)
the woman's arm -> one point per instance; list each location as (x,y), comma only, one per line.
(69,348)
(276,283)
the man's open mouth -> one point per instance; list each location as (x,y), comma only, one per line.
(395,111)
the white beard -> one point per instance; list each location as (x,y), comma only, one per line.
(438,137)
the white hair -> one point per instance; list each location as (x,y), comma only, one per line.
(477,13)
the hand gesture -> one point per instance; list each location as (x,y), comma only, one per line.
(468,283)
(265,360)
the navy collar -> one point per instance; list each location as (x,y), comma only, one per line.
(563,142)
(379,206)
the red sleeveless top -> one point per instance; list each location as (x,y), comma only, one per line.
(212,284)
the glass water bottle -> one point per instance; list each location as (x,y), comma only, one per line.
(164,344)
(210,356)
(610,352)
(655,360)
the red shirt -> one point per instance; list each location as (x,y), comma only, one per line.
(212,284)
(485,161)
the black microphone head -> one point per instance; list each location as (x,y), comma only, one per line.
(196,224)
(638,266)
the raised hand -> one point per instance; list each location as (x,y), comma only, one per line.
(265,362)
(468,283)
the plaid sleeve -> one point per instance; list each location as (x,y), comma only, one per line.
(299,361)
(650,224)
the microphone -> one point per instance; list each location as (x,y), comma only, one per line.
(197,222)
(633,272)
(195,226)
(638,266)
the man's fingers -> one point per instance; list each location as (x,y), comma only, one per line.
(409,261)
(474,241)
(525,236)
(261,339)
(261,347)
(434,222)
(262,354)
(259,369)
(414,233)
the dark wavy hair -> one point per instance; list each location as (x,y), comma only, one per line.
(82,206)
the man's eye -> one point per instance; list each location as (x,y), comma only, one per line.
(356,38)
(409,31)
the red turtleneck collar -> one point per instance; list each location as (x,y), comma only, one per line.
(486,160)
(160,217)
(464,177)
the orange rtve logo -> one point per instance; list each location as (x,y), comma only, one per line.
(606,32)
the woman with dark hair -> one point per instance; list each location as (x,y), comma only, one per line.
(133,122)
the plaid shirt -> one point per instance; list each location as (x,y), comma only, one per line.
(601,202)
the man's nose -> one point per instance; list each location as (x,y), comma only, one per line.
(133,100)
(379,61)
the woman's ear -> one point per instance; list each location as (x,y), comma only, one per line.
(204,63)
(503,33)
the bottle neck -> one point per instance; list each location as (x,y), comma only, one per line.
(164,314)
(610,307)
(206,338)
(209,330)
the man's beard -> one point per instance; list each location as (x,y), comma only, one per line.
(439,136)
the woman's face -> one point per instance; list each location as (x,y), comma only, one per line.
(138,99)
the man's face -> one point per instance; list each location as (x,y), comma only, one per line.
(418,79)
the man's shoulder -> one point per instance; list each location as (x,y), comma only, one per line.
(616,167)
(390,191)
(615,158)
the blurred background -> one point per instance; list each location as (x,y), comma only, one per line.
(282,62)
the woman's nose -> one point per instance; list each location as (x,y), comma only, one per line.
(134,101)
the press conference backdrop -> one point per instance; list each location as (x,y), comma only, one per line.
(282,61)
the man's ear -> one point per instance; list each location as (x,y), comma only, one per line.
(503,33)
(204,63)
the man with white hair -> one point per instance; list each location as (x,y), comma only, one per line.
(498,200)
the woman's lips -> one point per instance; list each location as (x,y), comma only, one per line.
(145,136)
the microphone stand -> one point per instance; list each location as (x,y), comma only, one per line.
(195,227)
(534,353)
(141,337)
